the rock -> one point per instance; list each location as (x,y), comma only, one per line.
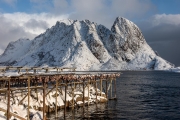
(87,46)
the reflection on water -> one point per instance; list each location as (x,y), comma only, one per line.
(140,95)
(95,111)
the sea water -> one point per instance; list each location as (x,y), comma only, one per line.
(141,95)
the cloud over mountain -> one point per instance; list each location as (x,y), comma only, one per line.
(88,46)
(162,33)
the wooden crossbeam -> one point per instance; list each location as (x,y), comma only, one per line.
(22,99)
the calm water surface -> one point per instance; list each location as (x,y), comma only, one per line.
(148,95)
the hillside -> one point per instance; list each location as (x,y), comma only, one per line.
(87,46)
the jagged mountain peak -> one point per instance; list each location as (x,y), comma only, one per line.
(127,30)
(86,45)
(16,49)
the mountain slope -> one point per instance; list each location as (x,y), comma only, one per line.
(87,46)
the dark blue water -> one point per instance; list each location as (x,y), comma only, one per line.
(148,95)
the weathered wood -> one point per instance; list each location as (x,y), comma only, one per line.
(96,90)
(83,93)
(66,79)
(28,98)
(111,88)
(8,105)
(44,93)
(106,89)
(51,90)
(88,92)
(115,87)
(101,87)
(65,101)
(56,96)
(73,95)
(20,102)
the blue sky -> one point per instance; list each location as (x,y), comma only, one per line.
(10,6)
(159,20)
(167,6)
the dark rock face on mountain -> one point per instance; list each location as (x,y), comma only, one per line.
(87,46)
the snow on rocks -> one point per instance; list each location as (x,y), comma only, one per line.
(177,69)
(86,46)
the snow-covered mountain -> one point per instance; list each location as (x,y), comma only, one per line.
(87,46)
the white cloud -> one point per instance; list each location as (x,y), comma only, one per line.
(161,31)
(105,11)
(17,25)
(23,19)
(60,4)
(173,19)
(131,8)
(23,25)
(99,11)
(93,10)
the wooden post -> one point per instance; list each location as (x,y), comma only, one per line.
(115,87)
(101,87)
(96,90)
(83,98)
(28,97)
(65,100)
(8,105)
(73,102)
(107,89)
(44,93)
(111,88)
(73,96)
(83,93)
(88,92)
(56,95)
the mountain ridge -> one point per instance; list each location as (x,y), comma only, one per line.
(87,46)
